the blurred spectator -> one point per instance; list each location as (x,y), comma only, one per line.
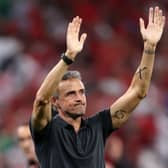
(27,146)
(115,156)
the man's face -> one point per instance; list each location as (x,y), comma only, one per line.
(25,142)
(72,98)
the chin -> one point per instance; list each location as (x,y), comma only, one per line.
(74,115)
(82,113)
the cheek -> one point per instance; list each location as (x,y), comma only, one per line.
(21,144)
(85,99)
(63,104)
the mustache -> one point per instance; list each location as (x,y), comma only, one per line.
(80,103)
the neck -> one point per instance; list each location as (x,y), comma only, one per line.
(75,122)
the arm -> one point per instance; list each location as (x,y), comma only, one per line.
(41,114)
(122,108)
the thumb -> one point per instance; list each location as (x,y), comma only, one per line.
(142,26)
(83,38)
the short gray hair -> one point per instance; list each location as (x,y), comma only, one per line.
(71,75)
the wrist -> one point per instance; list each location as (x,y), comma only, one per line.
(149,48)
(150,44)
(66,59)
(71,55)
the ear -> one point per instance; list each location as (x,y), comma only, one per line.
(55,102)
(53,99)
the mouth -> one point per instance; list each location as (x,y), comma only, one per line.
(80,104)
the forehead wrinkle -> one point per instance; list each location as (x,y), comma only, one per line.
(72,84)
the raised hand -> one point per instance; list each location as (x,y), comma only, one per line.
(74,43)
(153,32)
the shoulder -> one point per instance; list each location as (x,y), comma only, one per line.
(46,131)
(99,117)
(102,121)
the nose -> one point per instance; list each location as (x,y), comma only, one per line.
(26,145)
(79,97)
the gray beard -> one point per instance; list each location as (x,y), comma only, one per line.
(73,116)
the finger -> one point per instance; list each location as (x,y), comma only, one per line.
(142,25)
(69,29)
(78,25)
(161,18)
(150,15)
(74,24)
(83,38)
(163,21)
(156,15)
(76,20)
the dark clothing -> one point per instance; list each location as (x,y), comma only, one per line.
(58,146)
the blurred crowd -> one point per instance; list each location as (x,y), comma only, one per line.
(32,38)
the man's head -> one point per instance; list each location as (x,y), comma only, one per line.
(70,95)
(25,142)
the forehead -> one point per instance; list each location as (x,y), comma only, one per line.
(23,131)
(70,84)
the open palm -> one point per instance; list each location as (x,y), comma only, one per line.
(74,43)
(155,26)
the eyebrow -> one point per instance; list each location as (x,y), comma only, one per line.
(70,92)
(73,91)
(23,138)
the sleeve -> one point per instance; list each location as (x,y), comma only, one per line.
(42,135)
(106,123)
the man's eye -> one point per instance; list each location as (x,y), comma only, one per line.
(82,91)
(20,139)
(70,93)
(23,139)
